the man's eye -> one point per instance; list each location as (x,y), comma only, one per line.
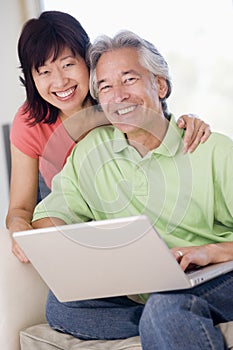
(130,80)
(104,88)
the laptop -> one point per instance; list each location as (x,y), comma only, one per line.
(107,258)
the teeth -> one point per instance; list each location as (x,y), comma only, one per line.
(126,110)
(66,93)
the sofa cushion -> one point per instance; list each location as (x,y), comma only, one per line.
(42,337)
(227,331)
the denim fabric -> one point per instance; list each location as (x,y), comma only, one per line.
(183,320)
(186,319)
(43,189)
(107,318)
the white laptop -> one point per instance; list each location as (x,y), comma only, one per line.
(108,258)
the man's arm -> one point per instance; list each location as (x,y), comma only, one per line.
(47,222)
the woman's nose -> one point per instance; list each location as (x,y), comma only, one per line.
(59,79)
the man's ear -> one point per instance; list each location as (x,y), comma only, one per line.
(162,87)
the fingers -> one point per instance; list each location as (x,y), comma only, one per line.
(17,251)
(205,129)
(183,257)
(187,122)
(193,256)
(197,131)
(181,123)
(200,135)
(189,136)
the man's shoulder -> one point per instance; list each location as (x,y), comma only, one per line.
(220,140)
(218,146)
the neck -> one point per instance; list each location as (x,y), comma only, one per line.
(146,140)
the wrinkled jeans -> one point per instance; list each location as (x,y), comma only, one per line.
(182,320)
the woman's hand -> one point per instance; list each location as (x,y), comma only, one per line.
(20,225)
(17,251)
(196,131)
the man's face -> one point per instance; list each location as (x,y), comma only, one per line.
(128,93)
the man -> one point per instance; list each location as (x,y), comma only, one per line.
(136,166)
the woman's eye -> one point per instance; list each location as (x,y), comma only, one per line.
(68,65)
(43,72)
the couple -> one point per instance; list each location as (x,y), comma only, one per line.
(52,53)
(136,166)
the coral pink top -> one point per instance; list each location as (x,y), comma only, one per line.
(50,144)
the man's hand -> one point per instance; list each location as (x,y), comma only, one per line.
(203,255)
(197,131)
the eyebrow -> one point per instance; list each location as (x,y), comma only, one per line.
(68,56)
(61,59)
(131,71)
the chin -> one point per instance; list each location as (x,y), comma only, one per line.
(125,128)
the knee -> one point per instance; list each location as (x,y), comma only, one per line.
(157,305)
(164,307)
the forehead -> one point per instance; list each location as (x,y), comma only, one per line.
(52,55)
(64,52)
(117,62)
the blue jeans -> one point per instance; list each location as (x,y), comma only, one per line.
(43,189)
(182,320)
(107,318)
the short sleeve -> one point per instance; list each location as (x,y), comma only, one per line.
(24,136)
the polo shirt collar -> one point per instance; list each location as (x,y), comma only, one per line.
(172,140)
(119,141)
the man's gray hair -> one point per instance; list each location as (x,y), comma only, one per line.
(150,58)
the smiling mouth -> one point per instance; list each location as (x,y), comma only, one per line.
(63,94)
(126,110)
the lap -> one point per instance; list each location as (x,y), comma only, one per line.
(106,318)
(119,317)
(215,294)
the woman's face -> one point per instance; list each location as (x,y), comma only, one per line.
(64,83)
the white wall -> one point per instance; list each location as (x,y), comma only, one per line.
(13,14)
(195,37)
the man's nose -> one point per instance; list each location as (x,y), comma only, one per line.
(120,93)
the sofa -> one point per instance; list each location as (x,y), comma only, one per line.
(22,308)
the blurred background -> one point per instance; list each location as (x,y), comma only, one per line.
(195,37)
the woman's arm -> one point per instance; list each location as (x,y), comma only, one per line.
(23,195)
(196,131)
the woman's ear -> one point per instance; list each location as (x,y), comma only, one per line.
(162,87)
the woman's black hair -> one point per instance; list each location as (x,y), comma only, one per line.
(40,38)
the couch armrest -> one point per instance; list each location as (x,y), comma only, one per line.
(22,295)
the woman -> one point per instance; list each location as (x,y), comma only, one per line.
(52,52)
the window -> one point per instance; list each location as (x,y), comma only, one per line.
(194,36)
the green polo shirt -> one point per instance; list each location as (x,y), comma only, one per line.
(188,197)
